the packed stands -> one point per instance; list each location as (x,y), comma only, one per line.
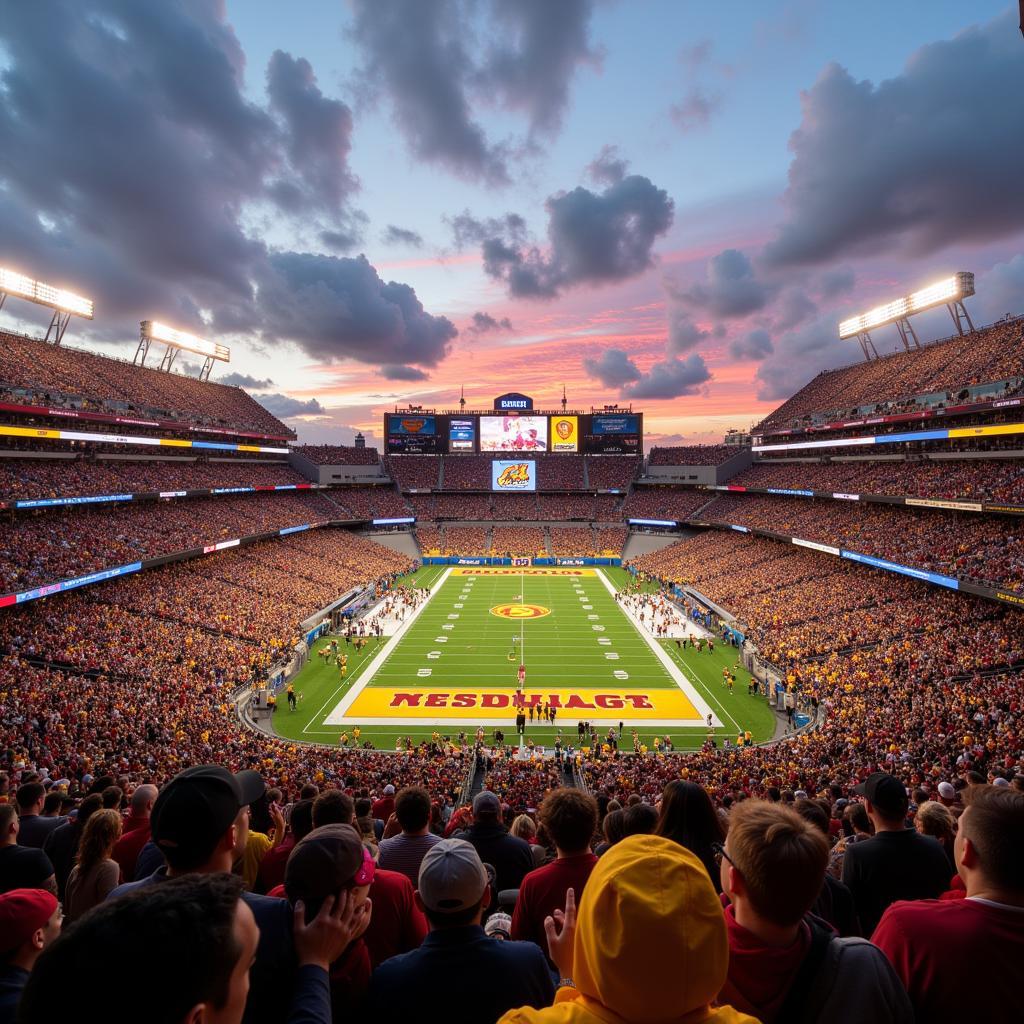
(611,538)
(572,541)
(557,472)
(429,539)
(56,375)
(337,454)
(563,507)
(994,480)
(467,473)
(462,506)
(988,549)
(25,479)
(677,503)
(693,455)
(465,540)
(606,508)
(370,502)
(518,540)
(513,506)
(414,472)
(611,472)
(891,383)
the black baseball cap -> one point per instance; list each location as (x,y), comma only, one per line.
(885,792)
(196,808)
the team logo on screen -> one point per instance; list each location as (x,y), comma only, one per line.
(563,428)
(413,426)
(520,611)
(513,476)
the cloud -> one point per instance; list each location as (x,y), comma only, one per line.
(285,407)
(437,64)
(244,380)
(468,230)
(731,290)
(339,241)
(613,368)
(394,235)
(336,308)
(793,308)
(695,109)
(484,323)
(693,57)
(592,239)
(1000,290)
(398,372)
(929,158)
(607,168)
(798,355)
(671,378)
(683,333)
(756,344)
(836,282)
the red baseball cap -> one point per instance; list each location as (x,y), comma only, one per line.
(22,913)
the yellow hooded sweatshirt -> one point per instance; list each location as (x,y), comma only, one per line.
(650,943)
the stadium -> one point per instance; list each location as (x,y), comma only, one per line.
(404,699)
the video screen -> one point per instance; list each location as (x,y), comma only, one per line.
(615,424)
(513,434)
(461,435)
(513,475)
(564,433)
(417,426)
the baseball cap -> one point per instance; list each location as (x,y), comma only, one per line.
(498,925)
(946,791)
(452,877)
(23,912)
(198,805)
(327,860)
(885,791)
(1000,781)
(486,802)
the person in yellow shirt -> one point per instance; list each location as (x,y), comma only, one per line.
(356,733)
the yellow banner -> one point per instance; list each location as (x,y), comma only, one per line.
(564,436)
(29,432)
(174,443)
(510,570)
(445,702)
(996,428)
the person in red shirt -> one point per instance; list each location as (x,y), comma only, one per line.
(135,831)
(384,807)
(397,925)
(960,959)
(300,824)
(569,817)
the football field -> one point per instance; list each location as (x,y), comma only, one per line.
(453,664)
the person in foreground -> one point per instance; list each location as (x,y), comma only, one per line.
(961,959)
(30,920)
(648,945)
(786,965)
(492,976)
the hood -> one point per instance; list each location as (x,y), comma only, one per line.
(651,942)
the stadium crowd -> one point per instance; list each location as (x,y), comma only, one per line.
(337,454)
(692,455)
(607,472)
(518,540)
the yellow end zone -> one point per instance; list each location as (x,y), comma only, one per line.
(487,570)
(595,704)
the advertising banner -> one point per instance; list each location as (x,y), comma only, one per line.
(513,434)
(564,433)
(615,424)
(461,435)
(410,424)
(517,475)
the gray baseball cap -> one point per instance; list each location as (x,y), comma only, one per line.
(452,877)
(486,802)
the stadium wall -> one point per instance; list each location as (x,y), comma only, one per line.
(699,475)
(340,474)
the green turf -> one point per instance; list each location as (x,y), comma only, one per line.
(561,650)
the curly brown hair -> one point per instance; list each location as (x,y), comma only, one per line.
(101,832)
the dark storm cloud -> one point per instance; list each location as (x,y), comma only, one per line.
(925,159)
(131,160)
(394,235)
(438,60)
(756,344)
(409,373)
(484,323)
(671,378)
(285,407)
(613,368)
(835,282)
(335,307)
(592,239)
(244,380)
(731,289)
(607,168)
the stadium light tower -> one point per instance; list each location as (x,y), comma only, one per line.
(62,302)
(175,341)
(950,291)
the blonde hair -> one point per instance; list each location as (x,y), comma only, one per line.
(935,819)
(101,832)
(523,826)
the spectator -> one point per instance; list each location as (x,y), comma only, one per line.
(950,799)
(21,867)
(960,959)
(639,819)
(834,902)
(135,831)
(300,824)
(649,943)
(897,863)
(61,844)
(404,852)
(508,855)
(384,806)
(569,819)
(936,820)
(492,976)
(783,964)
(524,827)
(397,924)
(30,920)
(33,827)
(689,819)
(333,807)
(95,874)
(329,868)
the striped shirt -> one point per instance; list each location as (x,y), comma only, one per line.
(404,853)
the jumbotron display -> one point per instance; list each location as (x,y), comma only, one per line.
(513,427)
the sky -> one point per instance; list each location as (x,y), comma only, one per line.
(381,202)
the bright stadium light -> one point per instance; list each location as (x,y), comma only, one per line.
(13,283)
(175,340)
(950,291)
